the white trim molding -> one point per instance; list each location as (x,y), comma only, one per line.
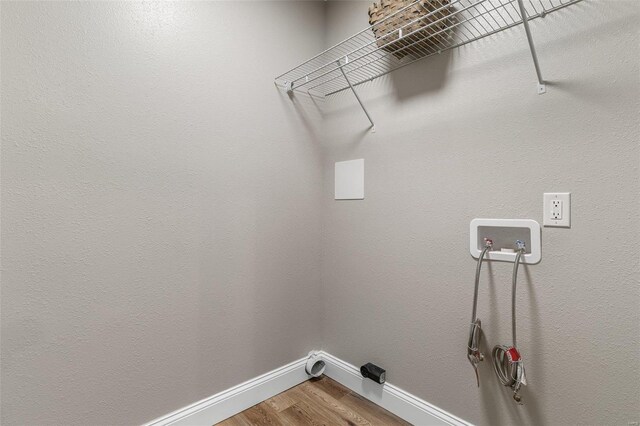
(401,403)
(232,401)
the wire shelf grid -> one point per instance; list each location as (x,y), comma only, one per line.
(363,57)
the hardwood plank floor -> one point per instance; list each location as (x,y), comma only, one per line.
(316,402)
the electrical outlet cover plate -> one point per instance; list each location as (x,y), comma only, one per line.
(557,209)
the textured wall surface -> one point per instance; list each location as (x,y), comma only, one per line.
(464,135)
(160,204)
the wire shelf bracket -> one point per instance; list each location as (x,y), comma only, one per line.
(346,61)
(396,41)
(542,88)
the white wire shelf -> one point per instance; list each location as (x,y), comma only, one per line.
(362,57)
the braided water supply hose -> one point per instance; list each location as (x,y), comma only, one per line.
(507,362)
(473,350)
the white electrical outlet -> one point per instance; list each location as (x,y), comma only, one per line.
(557,209)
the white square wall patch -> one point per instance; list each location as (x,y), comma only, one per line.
(350,180)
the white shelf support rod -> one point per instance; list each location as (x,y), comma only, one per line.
(525,22)
(373,126)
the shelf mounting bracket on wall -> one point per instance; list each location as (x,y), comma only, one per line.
(542,88)
(346,61)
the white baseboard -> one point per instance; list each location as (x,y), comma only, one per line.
(403,404)
(232,401)
(238,398)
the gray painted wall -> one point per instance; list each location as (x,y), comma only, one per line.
(160,205)
(464,135)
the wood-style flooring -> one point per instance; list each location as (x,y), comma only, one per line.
(315,402)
